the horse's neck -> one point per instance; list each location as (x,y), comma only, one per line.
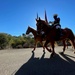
(33,31)
(47,28)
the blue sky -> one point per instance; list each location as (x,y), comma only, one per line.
(17,15)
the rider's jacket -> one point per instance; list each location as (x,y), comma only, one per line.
(57,21)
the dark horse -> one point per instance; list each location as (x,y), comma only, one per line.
(37,38)
(51,35)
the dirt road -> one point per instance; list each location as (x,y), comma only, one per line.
(24,62)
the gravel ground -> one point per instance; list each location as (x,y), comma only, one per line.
(24,62)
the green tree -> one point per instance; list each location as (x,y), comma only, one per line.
(3,40)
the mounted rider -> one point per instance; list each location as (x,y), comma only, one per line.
(56,23)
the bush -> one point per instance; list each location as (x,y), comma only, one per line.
(3,41)
(19,46)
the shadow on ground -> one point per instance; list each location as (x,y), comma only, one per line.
(48,66)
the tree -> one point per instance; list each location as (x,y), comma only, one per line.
(3,40)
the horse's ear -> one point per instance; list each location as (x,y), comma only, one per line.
(36,20)
(28,26)
(39,18)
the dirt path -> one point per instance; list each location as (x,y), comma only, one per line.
(24,62)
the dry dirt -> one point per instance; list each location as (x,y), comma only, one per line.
(24,62)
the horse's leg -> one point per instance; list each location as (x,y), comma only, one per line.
(66,42)
(43,49)
(64,46)
(45,45)
(73,43)
(53,51)
(67,45)
(34,46)
(42,46)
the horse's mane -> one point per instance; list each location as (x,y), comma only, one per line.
(45,23)
(32,28)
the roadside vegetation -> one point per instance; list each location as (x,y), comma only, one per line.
(22,41)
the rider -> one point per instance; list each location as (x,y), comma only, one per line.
(56,20)
(56,23)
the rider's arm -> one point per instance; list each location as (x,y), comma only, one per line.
(50,22)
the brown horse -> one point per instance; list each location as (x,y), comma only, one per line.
(51,35)
(37,38)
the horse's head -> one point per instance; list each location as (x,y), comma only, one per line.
(28,30)
(41,25)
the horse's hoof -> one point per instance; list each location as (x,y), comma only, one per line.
(62,52)
(44,51)
(33,51)
(52,55)
(50,50)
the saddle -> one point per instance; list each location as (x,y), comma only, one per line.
(59,32)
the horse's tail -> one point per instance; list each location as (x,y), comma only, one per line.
(71,34)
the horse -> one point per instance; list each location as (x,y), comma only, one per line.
(51,35)
(37,38)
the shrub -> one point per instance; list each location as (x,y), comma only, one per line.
(3,40)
